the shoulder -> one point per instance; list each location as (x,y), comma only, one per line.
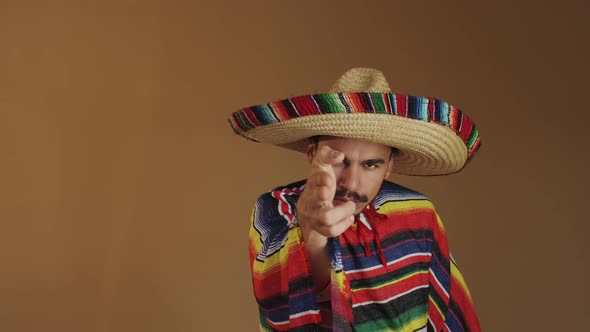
(292,189)
(394,195)
(280,199)
(391,191)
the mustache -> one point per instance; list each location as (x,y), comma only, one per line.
(344,193)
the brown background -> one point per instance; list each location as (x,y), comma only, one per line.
(125,197)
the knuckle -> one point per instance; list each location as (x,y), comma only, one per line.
(320,179)
(327,179)
(315,178)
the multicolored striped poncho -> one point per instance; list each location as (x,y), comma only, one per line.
(396,274)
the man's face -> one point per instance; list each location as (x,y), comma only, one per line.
(359,176)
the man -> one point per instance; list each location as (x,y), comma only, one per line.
(347,250)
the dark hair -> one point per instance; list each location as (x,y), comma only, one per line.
(315,140)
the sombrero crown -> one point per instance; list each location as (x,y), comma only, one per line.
(432,136)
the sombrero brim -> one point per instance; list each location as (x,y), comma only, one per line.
(433,137)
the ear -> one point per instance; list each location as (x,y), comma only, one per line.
(310,152)
(389,168)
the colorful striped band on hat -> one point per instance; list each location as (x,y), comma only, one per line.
(429,110)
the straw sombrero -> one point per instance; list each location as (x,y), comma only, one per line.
(433,137)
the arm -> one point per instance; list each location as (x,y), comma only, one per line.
(288,245)
(450,304)
(461,312)
(316,214)
(281,277)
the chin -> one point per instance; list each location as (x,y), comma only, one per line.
(359,209)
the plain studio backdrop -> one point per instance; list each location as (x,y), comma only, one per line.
(125,197)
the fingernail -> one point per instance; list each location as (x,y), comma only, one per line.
(335,154)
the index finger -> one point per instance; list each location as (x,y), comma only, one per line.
(326,157)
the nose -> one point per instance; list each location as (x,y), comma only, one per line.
(349,178)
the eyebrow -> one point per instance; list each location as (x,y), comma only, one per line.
(346,161)
(374,161)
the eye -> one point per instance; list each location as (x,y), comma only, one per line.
(372,164)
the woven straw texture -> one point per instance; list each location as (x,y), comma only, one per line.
(434,138)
